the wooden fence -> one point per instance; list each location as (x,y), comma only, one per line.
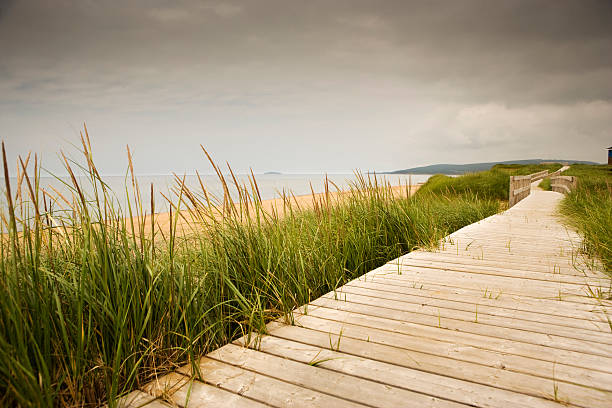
(520,186)
(563,184)
(539,175)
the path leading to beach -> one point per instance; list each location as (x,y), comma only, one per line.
(504,314)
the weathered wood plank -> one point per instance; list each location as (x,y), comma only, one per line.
(515,273)
(263,388)
(409,276)
(465,392)
(551,308)
(484,375)
(436,320)
(457,351)
(309,376)
(185,392)
(444,310)
(137,399)
(508,247)
(453,260)
(503,345)
(500,254)
(475,306)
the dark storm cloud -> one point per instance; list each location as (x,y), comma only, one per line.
(5,6)
(511,51)
(406,69)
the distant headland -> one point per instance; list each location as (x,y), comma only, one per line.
(453,169)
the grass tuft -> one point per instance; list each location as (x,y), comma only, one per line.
(588,209)
(545,184)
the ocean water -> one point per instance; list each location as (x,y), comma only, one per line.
(270,185)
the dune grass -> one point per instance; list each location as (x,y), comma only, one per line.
(525,169)
(486,184)
(545,184)
(95,304)
(589,209)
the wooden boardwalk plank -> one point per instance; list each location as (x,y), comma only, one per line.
(502,314)
(493,376)
(547,308)
(529,350)
(490,276)
(505,361)
(510,257)
(137,399)
(436,320)
(310,377)
(576,279)
(465,392)
(515,286)
(453,259)
(446,309)
(263,388)
(184,392)
(564,299)
(474,306)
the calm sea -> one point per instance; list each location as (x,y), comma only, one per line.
(270,185)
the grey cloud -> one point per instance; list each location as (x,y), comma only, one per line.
(5,5)
(401,71)
(468,46)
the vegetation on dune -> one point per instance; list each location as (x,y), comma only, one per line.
(487,184)
(94,303)
(545,184)
(491,184)
(523,170)
(589,209)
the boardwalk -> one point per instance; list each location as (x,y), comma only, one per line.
(502,315)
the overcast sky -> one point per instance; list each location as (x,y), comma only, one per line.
(307,86)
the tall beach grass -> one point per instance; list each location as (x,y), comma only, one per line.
(589,209)
(545,184)
(97,300)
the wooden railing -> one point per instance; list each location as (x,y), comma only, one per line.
(539,175)
(520,186)
(563,184)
